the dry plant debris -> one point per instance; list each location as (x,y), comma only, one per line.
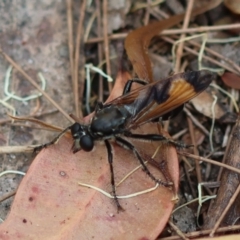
(57,39)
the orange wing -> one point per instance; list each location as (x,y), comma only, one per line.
(156,99)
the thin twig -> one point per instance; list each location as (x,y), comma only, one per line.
(210,161)
(76,59)
(181,44)
(16,66)
(216,54)
(177,230)
(218,63)
(37,107)
(205,232)
(3,121)
(147,13)
(8,195)
(195,150)
(196,122)
(70,38)
(17,149)
(172,32)
(230,203)
(106,41)
(100,49)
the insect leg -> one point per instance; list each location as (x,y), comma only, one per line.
(127,144)
(156,137)
(110,161)
(162,166)
(55,140)
(129,83)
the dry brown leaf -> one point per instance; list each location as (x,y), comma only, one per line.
(49,194)
(138,40)
(50,204)
(231,80)
(233,5)
(203,104)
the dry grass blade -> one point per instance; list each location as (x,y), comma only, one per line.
(180,46)
(77,56)
(106,41)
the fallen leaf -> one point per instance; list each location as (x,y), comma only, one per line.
(203,104)
(50,204)
(233,5)
(231,80)
(49,194)
(137,41)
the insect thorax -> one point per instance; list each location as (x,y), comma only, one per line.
(109,120)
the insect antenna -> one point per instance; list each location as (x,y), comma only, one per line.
(54,141)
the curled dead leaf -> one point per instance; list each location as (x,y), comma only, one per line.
(137,41)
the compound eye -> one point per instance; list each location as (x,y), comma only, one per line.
(75,128)
(86,142)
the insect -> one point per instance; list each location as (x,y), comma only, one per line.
(116,119)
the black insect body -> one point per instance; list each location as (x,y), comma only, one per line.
(145,104)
